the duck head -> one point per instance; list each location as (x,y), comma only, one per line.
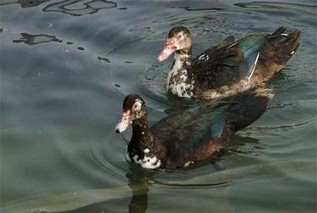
(179,39)
(133,108)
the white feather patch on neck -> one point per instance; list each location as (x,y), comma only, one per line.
(177,78)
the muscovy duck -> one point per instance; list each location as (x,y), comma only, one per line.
(191,135)
(230,67)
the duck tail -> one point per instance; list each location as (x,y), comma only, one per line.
(281,45)
(250,106)
(276,50)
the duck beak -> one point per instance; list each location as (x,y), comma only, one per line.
(123,124)
(168,50)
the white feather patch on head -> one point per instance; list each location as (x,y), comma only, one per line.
(137,105)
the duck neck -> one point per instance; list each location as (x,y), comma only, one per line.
(180,79)
(141,137)
(141,134)
(143,148)
(140,127)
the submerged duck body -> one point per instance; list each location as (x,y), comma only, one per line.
(230,67)
(188,136)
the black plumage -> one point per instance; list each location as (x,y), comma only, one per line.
(195,134)
(230,67)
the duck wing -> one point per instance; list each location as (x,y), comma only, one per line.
(189,116)
(228,62)
(189,132)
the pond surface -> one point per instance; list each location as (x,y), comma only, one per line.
(65,69)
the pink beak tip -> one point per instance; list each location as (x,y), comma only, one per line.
(167,51)
(160,58)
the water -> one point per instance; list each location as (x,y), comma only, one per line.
(65,69)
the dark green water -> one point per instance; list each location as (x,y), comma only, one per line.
(65,69)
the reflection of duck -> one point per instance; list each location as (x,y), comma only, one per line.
(191,135)
(230,67)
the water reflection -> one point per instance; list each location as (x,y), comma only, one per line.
(140,181)
(24,3)
(70,7)
(103,59)
(36,39)
(79,8)
(294,7)
(139,185)
(245,145)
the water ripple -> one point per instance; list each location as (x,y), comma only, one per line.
(79,8)
(36,39)
(294,7)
